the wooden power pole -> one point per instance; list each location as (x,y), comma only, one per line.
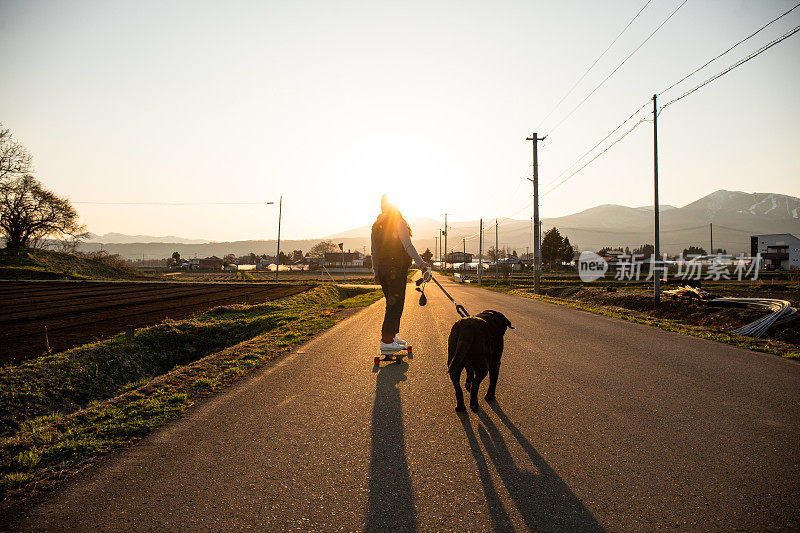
(480,255)
(657,251)
(537,253)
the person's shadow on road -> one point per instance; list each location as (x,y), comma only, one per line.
(543,500)
(391,496)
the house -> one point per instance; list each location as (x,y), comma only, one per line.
(779,251)
(209,263)
(459,257)
(350,259)
(264,263)
(511,263)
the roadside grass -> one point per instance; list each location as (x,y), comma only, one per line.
(59,413)
(36,263)
(759,345)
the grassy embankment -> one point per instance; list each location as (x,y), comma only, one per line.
(60,412)
(633,302)
(34,263)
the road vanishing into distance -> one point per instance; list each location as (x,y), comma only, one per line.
(599,424)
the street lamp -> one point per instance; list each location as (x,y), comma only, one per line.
(278,253)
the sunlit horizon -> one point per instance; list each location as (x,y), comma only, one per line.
(332,105)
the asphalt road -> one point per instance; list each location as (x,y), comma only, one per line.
(599,424)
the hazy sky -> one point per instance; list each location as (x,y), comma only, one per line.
(331,104)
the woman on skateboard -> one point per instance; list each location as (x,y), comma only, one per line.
(392,253)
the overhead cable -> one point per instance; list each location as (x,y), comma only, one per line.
(598,143)
(593,64)
(729,49)
(617,68)
(607,148)
(730,68)
(172,203)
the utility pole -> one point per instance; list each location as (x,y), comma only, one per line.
(278,253)
(464,257)
(711,233)
(657,258)
(496,256)
(445,243)
(341,248)
(480,255)
(530,242)
(441,243)
(537,257)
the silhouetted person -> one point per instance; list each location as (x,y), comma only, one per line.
(392,253)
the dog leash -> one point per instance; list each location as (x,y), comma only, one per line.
(459,308)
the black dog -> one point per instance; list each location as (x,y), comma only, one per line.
(476,344)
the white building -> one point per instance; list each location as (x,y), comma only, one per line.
(780,251)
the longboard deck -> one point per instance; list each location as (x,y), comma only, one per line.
(395,356)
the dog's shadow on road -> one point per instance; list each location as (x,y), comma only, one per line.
(391,496)
(543,500)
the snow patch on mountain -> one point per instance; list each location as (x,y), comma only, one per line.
(774,204)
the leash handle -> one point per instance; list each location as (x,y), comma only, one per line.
(461,311)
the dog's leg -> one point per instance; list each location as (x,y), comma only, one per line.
(494,372)
(480,373)
(468,382)
(456,379)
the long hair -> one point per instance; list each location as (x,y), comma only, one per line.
(388,209)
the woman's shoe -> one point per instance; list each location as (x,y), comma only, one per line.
(398,340)
(392,347)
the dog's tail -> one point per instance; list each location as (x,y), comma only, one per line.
(458,347)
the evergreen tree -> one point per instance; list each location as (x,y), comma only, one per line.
(552,244)
(427,255)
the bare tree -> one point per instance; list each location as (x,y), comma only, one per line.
(68,245)
(15,161)
(321,248)
(494,254)
(29,213)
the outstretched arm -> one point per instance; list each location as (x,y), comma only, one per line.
(405,238)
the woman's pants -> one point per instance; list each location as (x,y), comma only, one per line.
(393,282)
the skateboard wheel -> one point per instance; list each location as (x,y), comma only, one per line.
(409,350)
(377,360)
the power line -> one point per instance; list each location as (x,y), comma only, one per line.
(628,232)
(716,226)
(730,68)
(618,67)
(729,49)
(606,149)
(641,121)
(172,203)
(593,64)
(621,124)
(498,222)
(687,93)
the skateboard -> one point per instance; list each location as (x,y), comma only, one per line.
(395,356)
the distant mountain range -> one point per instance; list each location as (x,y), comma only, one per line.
(121,238)
(735,216)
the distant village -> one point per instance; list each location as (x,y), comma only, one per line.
(777,252)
